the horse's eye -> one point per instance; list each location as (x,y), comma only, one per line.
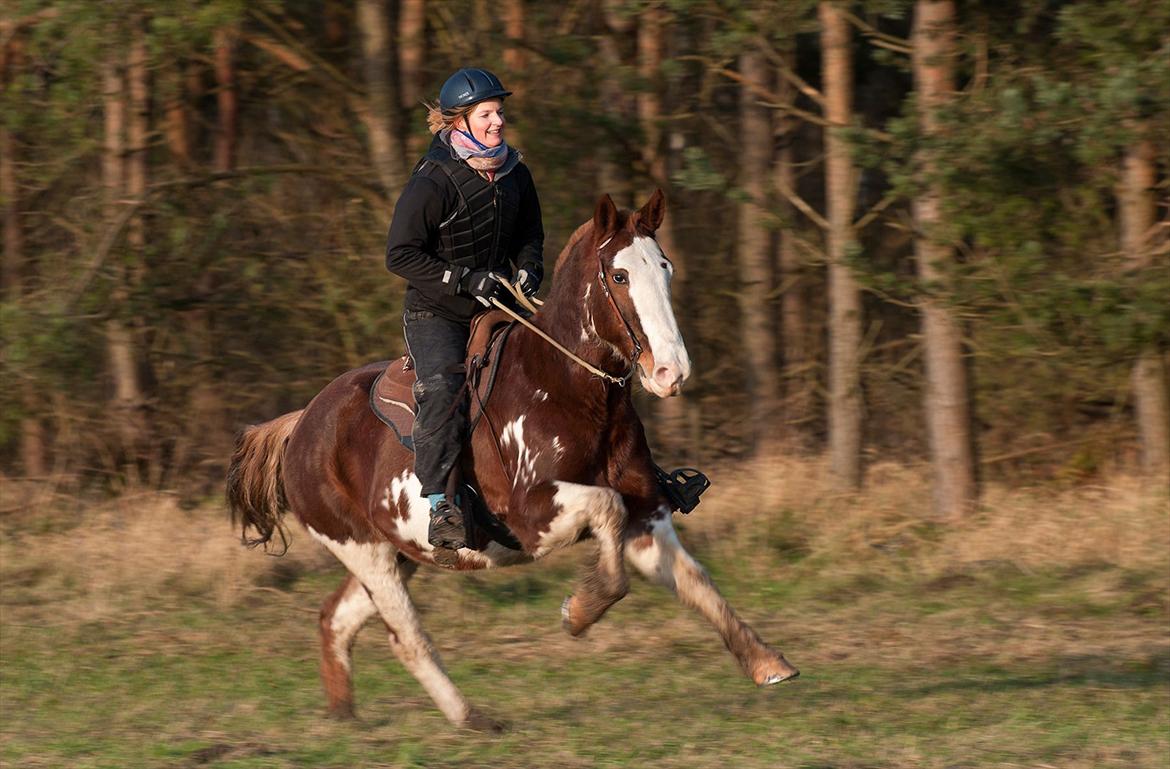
(619,277)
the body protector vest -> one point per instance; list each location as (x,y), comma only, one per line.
(477,235)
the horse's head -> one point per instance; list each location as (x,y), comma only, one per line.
(632,312)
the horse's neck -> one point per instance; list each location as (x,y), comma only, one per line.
(552,371)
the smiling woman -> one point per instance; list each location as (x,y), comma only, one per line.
(469,213)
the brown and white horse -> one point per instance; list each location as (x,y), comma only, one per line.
(571,462)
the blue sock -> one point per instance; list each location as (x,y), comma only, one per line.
(435,499)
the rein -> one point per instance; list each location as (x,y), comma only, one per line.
(525,302)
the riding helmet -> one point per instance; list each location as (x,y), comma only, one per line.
(468,86)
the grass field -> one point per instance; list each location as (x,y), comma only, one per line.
(1037,634)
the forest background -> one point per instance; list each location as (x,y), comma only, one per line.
(923,261)
(920,234)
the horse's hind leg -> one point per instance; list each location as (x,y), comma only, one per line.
(342,616)
(661,558)
(376,566)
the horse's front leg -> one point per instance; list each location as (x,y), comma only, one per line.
(659,555)
(572,510)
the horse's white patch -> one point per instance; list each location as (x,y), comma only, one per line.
(597,507)
(540,395)
(406,490)
(558,449)
(349,615)
(524,469)
(656,562)
(649,285)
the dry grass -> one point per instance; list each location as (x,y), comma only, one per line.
(98,559)
(1118,522)
(91,562)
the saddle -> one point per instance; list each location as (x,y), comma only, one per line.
(392,401)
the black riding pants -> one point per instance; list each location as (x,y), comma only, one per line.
(438,347)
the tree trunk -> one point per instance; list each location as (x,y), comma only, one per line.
(798,381)
(412,23)
(381,112)
(32,432)
(127,396)
(137,128)
(1138,210)
(613,176)
(227,99)
(948,410)
(176,115)
(844,297)
(754,254)
(514,58)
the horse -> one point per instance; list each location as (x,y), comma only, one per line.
(570,462)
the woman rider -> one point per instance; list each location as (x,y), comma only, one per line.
(469,210)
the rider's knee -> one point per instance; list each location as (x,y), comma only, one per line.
(436,386)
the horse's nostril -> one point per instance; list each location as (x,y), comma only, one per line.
(667,377)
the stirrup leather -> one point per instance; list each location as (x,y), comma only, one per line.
(682,487)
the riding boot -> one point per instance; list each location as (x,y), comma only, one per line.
(447,529)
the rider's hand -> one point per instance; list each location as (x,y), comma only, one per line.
(480,284)
(529,278)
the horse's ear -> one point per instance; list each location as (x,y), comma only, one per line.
(605,216)
(650,215)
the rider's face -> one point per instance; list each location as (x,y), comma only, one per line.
(486,122)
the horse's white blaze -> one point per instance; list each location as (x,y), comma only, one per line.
(650,290)
(599,508)
(349,615)
(406,491)
(375,566)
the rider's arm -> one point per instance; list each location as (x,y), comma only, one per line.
(412,239)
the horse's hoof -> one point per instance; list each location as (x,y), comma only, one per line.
(777,678)
(567,618)
(342,712)
(481,722)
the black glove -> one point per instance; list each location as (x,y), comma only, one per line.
(529,278)
(481,285)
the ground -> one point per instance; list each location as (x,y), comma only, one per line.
(140,636)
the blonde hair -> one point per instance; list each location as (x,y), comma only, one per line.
(437,120)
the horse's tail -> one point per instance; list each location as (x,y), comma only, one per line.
(255,491)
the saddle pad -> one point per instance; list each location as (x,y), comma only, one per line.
(392,400)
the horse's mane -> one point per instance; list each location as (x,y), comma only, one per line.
(577,236)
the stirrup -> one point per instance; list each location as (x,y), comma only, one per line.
(682,487)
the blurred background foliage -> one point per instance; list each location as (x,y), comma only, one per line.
(145,322)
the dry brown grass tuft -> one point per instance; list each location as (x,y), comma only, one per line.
(1118,521)
(115,556)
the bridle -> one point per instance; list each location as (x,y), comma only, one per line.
(532,304)
(602,279)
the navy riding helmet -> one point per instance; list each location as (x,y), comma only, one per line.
(468,86)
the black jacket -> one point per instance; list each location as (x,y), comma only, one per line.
(416,250)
